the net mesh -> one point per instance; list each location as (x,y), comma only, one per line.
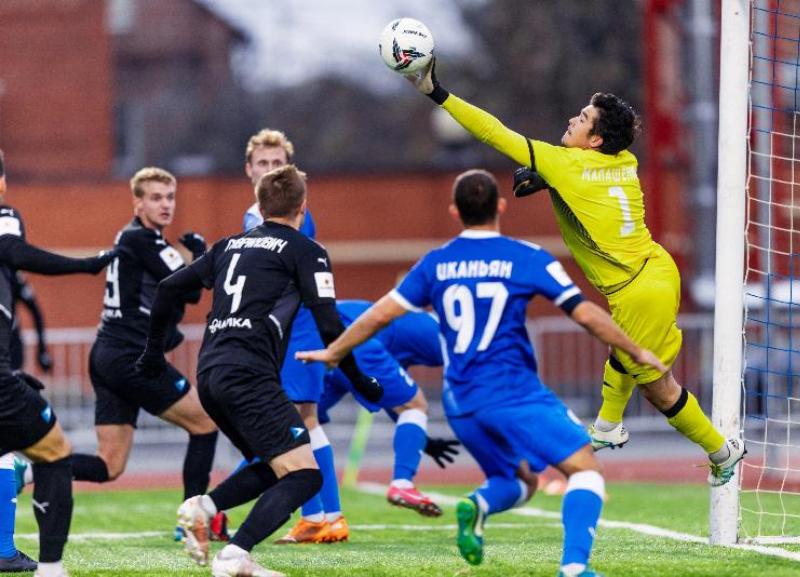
(770,483)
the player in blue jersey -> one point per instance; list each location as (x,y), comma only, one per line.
(479,284)
(322,519)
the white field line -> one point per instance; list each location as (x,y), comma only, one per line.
(653,531)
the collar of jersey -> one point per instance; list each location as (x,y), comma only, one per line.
(472,233)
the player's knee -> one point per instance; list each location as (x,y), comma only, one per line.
(115,465)
(202,426)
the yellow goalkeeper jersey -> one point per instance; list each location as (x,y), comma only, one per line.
(597,198)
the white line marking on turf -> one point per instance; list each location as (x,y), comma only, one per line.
(653,531)
(101,536)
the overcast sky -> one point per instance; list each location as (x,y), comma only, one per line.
(295,39)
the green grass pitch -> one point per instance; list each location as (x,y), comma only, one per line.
(128,533)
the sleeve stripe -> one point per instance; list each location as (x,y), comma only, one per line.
(403,302)
(566,295)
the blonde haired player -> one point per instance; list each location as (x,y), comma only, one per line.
(599,207)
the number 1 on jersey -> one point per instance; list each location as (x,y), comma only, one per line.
(628,226)
(463,322)
(235,290)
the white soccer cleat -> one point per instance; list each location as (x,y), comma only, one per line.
(612,439)
(194,520)
(62,573)
(239,566)
(722,472)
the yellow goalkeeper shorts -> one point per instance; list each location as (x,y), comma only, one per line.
(647,309)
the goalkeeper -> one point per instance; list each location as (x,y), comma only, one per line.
(599,207)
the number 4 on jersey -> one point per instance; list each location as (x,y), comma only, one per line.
(234,289)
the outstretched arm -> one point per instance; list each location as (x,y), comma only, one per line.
(374,319)
(600,324)
(20,255)
(477,122)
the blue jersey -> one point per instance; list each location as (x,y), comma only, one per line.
(412,339)
(253,218)
(479,284)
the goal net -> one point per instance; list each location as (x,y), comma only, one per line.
(769,374)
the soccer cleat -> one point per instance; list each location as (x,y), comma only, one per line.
(179,536)
(62,573)
(721,473)
(411,498)
(239,566)
(585,573)
(19,563)
(20,466)
(470,531)
(616,437)
(194,520)
(305,531)
(219,527)
(338,531)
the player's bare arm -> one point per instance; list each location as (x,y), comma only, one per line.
(600,324)
(373,320)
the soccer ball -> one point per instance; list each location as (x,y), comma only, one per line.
(406,45)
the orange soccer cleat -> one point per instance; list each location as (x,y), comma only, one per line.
(338,531)
(305,531)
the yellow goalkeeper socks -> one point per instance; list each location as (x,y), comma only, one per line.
(688,418)
(617,389)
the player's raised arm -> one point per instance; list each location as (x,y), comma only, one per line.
(599,323)
(477,122)
(23,256)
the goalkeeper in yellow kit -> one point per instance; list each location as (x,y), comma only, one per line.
(599,207)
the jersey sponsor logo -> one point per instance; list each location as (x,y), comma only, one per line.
(111,314)
(265,242)
(172,258)
(325,287)
(620,174)
(558,273)
(10,225)
(229,323)
(473,269)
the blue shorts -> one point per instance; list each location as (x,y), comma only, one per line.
(542,433)
(303,382)
(374,361)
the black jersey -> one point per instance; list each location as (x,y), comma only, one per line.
(145,257)
(11,225)
(259,280)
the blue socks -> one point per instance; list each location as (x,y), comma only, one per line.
(410,436)
(8,506)
(326,501)
(580,511)
(499,494)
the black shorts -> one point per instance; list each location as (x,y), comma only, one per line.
(252,410)
(25,416)
(121,391)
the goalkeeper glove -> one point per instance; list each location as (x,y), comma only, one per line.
(441,451)
(527,181)
(427,83)
(194,243)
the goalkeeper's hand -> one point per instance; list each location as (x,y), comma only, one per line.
(527,181)
(442,451)
(426,82)
(44,360)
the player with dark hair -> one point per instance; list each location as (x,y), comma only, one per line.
(259,280)
(146,257)
(479,285)
(599,206)
(27,422)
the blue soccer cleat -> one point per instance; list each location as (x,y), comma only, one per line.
(470,530)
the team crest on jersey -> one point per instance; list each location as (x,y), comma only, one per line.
(325,287)
(171,257)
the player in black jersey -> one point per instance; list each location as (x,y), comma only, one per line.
(259,279)
(145,258)
(27,422)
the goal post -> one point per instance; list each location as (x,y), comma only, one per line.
(730,251)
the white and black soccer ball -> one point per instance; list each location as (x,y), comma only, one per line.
(406,45)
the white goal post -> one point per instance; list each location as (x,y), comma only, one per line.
(730,248)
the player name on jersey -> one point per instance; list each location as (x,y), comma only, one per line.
(618,174)
(473,269)
(265,242)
